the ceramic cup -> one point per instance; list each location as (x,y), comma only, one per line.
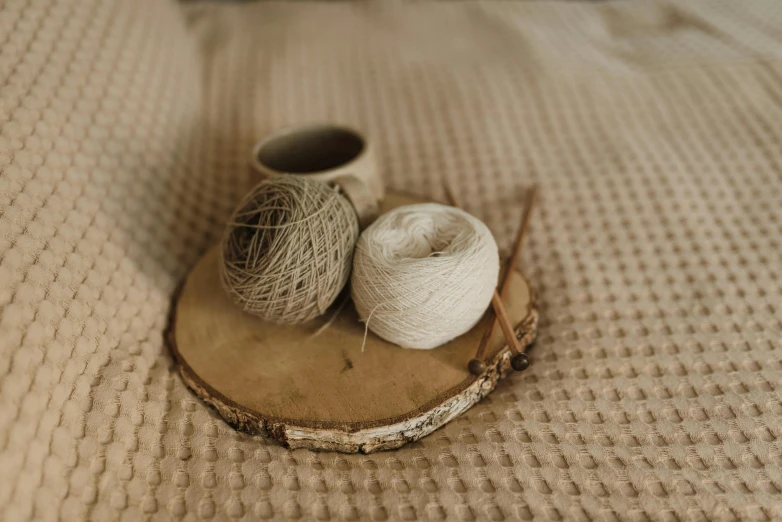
(324,152)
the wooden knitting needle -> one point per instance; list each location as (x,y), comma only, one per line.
(519,360)
(499,312)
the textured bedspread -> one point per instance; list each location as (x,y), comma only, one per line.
(654,130)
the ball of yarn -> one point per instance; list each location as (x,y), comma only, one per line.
(287,249)
(424,274)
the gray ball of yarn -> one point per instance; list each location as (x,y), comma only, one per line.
(288,249)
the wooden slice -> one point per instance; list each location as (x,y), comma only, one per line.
(322,391)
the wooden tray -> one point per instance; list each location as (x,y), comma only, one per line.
(322,392)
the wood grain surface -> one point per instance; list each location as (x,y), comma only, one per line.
(322,391)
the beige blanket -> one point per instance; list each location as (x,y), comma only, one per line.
(654,130)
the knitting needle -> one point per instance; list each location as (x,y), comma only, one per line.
(519,360)
(499,309)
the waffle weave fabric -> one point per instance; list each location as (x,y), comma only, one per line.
(654,130)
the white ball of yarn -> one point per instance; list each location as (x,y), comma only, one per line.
(424,274)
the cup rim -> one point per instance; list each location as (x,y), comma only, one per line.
(260,167)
